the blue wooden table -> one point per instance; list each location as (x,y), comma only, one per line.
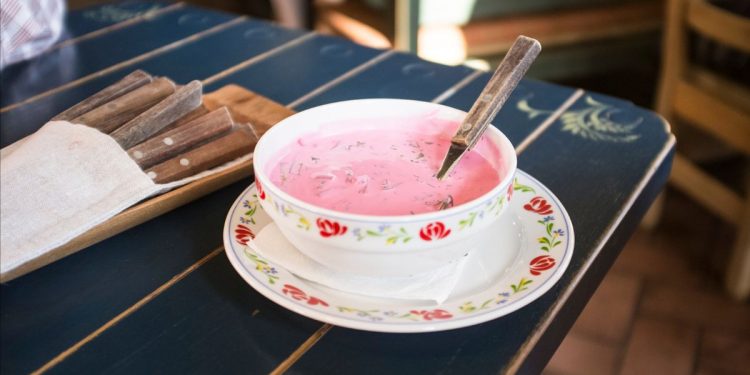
(162,297)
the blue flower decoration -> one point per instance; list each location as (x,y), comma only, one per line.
(548,218)
(559,232)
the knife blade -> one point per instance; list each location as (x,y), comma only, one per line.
(181,102)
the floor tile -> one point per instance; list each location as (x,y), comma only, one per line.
(706,307)
(578,355)
(724,353)
(660,347)
(609,313)
(654,256)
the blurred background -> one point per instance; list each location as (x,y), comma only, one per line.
(676,300)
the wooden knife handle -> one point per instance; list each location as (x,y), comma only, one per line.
(213,154)
(184,120)
(172,143)
(148,123)
(127,84)
(505,79)
(110,116)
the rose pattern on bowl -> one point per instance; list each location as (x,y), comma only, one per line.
(299,295)
(550,239)
(330,228)
(434,231)
(259,187)
(541,263)
(431,314)
(243,234)
(538,205)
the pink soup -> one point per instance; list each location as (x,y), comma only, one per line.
(384,167)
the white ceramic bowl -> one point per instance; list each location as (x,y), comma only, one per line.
(379,246)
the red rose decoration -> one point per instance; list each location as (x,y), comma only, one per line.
(434,314)
(243,234)
(541,263)
(330,228)
(538,205)
(316,301)
(299,295)
(434,231)
(261,193)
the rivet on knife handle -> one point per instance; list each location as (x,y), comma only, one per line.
(127,84)
(514,66)
(137,130)
(237,143)
(170,144)
(111,115)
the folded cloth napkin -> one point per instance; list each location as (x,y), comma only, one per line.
(61,181)
(433,286)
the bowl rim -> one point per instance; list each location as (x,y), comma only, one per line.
(260,173)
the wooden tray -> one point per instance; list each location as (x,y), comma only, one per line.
(246,107)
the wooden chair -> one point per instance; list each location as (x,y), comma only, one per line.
(702,99)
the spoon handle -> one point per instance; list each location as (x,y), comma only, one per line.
(505,79)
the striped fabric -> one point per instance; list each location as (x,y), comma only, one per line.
(28,28)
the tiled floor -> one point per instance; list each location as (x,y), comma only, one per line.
(661,309)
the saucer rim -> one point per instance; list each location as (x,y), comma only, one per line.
(421,326)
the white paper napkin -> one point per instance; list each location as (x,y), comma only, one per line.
(433,286)
(62,181)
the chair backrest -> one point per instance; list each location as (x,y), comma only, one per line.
(703,98)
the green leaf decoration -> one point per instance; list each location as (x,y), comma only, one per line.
(521,286)
(593,122)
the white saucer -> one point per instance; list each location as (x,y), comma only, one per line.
(534,222)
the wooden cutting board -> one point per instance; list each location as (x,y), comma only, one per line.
(246,107)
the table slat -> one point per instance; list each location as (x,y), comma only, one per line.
(72,62)
(83,21)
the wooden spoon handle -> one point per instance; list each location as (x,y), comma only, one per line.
(148,123)
(127,84)
(238,142)
(111,115)
(176,141)
(505,79)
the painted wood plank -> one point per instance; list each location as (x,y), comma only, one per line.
(45,312)
(221,326)
(72,62)
(252,35)
(572,167)
(285,77)
(83,21)
(399,76)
